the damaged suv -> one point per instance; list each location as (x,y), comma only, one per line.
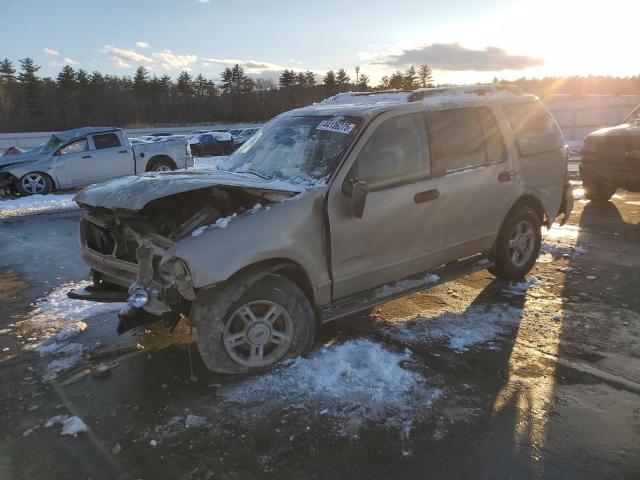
(326,211)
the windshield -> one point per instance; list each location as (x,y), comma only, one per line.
(51,144)
(297,149)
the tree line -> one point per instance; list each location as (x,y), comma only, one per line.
(75,97)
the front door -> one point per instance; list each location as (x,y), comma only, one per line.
(72,164)
(400,232)
(109,157)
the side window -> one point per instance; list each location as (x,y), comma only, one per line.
(493,141)
(457,138)
(107,140)
(535,130)
(74,147)
(395,153)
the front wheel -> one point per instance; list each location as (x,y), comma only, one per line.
(34,183)
(271,320)
(518,244)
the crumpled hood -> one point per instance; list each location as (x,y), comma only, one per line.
(30,156)
(618,130)
(135,192)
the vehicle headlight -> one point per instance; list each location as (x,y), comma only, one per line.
(138,298)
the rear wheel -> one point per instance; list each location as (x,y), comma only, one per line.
(161,165)
(597,191)
(270,321)
(34,183)
(518,244)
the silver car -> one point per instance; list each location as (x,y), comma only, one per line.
(329,210)
(79,157)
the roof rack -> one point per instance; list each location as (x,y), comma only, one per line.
(408,96)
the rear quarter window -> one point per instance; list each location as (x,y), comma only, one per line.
(534,128)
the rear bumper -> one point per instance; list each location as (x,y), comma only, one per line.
(621,172)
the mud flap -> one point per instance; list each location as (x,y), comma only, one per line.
(567,204)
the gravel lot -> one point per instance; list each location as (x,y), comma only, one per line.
(473,379)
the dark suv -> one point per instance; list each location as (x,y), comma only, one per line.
(611,159)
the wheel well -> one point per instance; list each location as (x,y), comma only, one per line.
(535,204)
(285,267)
(159,158)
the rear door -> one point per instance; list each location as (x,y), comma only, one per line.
(400,232)
(109,157)
(476,188)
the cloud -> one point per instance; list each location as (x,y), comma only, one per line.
(251,66)
(171,61)
(51,52)
(142,45)
(455,57)
(65,61)
(126,58)
(203,1)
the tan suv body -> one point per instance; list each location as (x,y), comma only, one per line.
(395,192)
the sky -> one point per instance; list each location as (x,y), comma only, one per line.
(464,41)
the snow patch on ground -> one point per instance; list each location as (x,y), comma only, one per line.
(520,288)
(59,319)
(404,285)
(460,331)
(351,383)
(36,204)
(70,425)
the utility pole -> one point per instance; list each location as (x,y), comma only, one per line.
(357,75)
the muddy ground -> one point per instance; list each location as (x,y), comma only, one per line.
(472,379)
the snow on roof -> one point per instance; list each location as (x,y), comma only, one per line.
(81,132)
(428,95)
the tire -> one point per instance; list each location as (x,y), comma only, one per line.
(598,191)
(272,319)
(34,183)
(161,165)
(517,245)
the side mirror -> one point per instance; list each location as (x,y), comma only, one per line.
(358,198)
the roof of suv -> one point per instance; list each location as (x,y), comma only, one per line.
(367,104)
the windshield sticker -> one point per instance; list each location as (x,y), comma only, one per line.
(335,126)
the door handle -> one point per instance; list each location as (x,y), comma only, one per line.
(426,196)
(86,156)
(122,151)
(507,176)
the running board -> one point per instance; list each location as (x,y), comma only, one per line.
(365,300)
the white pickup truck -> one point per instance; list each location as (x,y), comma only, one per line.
(83,156)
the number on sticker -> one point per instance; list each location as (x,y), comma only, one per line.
(335,126)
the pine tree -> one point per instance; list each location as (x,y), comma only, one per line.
(310,78)
(141,82)
(342,79)
(363,82)
(66,79)
(329,81)
(410,79)
(31,85)
(426,76)
(287,79)
(7,72)
(184,84)
(396,80)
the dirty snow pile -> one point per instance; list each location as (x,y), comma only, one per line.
(70,425)
(211,163)
(520,288)
(352,382)
(36,204)
(404,285)
(59,319)
(460,331)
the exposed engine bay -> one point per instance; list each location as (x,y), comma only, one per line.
(130,251)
